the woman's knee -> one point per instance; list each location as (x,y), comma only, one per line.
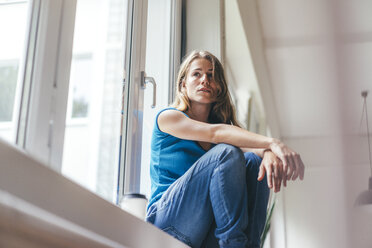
(230,159)
(230,152)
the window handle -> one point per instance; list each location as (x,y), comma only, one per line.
(145,80)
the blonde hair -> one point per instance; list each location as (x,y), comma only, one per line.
(222,110)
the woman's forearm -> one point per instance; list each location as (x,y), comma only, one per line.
(240,137)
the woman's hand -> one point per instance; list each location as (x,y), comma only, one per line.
(292,163)
(273,167)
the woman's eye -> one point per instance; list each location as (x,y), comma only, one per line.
(196,74)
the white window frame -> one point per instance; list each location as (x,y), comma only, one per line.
(47,67)
(133,97)
(130,169)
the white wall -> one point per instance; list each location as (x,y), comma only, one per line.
(240,72)
(354,29)
(318,53)
(298,48)
(314,89)
(203,26)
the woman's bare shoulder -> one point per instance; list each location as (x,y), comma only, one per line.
(169,117)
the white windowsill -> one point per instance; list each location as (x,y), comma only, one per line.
(40,202)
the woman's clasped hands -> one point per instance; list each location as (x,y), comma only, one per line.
(281,164)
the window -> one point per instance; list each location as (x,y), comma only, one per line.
(75,100)
(13,23)
(92,135)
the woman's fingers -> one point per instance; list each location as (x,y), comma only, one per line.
(269,176)
(301,167)
(276,177)
(291,166)
(276,171)
(284,175)
(294,165)
(261,173)
(281,173)
(291,170)
(281,151)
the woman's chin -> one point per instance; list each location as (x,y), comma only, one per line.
(204,102)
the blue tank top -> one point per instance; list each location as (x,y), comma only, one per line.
(171,157)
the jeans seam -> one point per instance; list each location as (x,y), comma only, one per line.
(223,202)
(177,234)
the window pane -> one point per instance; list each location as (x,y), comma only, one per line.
(13,22)
(91,147)
(80,79)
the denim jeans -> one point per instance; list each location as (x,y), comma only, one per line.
(217,202)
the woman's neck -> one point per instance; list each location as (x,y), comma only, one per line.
(199,112)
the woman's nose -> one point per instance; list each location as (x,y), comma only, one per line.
(205,79)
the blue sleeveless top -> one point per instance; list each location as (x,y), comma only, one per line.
(171,157)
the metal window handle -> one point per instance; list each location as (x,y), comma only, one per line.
(145,80)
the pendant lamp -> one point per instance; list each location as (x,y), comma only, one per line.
(365,198)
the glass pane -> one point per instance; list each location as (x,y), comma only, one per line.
(13,24)
(157,66)
(91,146)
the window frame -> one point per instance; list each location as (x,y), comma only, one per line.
(130,166)
(46,80)
(130,153)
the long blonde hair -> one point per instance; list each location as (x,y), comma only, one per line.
(222,110)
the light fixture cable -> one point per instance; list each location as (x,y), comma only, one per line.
(364,95)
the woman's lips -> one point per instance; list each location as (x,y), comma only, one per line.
(205,90)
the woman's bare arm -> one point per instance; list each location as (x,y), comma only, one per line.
(177,124)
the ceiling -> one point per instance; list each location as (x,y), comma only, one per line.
(317,60)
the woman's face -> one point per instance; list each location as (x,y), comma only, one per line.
(199,84)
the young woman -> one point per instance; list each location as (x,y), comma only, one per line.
(206,172)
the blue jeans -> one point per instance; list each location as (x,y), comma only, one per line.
(217,202)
